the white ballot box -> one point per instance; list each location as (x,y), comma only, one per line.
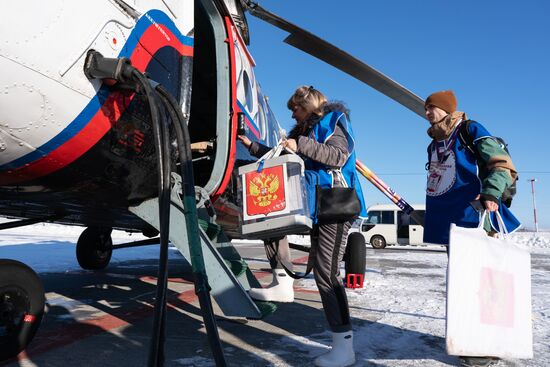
(275,200)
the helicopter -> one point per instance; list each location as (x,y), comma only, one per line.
(102,103)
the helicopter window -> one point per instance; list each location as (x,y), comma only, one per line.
(262,121)
(248,91)
(272,122)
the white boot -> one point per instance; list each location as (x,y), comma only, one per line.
(341,354)
(280,290)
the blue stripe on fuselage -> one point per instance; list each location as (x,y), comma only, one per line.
(96,102)
(252,122)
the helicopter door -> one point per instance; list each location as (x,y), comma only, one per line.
(403,222)
(416,231)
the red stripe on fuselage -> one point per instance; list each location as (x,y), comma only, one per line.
(109,113)
(235,109)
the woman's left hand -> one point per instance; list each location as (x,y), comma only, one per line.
(290,144)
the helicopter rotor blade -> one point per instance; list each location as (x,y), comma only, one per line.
(327,52)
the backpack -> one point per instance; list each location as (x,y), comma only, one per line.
(468,142)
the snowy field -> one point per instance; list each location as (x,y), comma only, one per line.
(399,315)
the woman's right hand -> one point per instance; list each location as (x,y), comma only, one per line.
(246,142)
(290,144)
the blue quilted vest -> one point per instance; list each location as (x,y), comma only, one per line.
(319,174)
(452,184)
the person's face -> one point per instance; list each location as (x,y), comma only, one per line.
(300,114)
(435,114)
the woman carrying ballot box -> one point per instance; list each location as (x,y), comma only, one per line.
(323,138)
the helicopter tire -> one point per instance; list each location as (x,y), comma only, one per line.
(356,253)
(22,303)
(94,248)
(378,242)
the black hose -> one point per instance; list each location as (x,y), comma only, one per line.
(160,134)
(121,70)
(202,288)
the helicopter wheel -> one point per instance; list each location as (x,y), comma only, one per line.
(94,248)
(21,306)
(355,255)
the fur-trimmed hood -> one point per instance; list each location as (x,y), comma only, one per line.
(337,106)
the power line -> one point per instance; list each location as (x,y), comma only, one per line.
(402,174)
(424,173)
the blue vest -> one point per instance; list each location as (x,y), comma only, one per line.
(452,184)
(319,174)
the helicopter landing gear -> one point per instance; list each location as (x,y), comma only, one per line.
(21,306)
(94,248)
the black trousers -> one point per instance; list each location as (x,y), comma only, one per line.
(330,241)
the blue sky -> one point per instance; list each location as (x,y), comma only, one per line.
(495,55)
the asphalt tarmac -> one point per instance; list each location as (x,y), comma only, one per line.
(104,318)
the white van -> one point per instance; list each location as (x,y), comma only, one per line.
(386,224)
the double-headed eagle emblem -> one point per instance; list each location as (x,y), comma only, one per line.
(263,188)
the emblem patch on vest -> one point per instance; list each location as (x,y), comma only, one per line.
(442,174)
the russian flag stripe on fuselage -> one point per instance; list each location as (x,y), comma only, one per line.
(92,123)
(249,121)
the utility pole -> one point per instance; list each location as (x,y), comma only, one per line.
(533,180)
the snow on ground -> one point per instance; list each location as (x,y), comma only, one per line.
(398,316)
(537,242)
(406,305)
(51,230)
(405,318)
(411,311)
(50,247)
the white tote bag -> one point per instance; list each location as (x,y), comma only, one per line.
(488,295)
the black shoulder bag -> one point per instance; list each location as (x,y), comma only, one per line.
(337,204)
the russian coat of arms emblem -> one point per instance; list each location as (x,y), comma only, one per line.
(265,191)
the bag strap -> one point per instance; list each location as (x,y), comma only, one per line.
(312,252)
(273,153)
(466,138)
(309,267)
(310,259)
(502,230)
